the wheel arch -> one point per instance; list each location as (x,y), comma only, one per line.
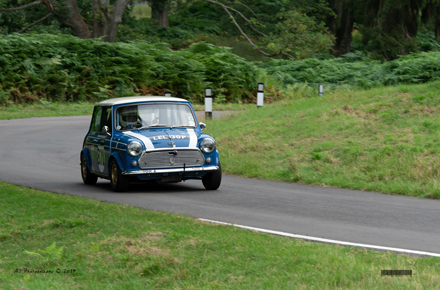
(87,156)
(115,157)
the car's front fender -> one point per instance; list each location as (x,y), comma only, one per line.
(116,157)
(88,158)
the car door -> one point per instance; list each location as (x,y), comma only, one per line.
(99,140)
(93,139)
(105,138)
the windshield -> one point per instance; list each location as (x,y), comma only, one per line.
(154,115)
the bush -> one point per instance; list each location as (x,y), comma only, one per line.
(356,70)
(65,68)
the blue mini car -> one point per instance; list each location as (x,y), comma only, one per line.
(151,139)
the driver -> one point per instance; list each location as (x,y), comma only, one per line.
(148,116)
(128,117)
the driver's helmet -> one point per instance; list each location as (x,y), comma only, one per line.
(128,117)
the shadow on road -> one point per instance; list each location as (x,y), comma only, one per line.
(145,188)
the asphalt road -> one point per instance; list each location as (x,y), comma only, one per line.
(43,153)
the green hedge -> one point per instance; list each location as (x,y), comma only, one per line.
(65,68)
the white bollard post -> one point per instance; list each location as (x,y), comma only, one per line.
(260,95)
(208,103)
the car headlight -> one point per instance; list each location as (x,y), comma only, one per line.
(134,148)
(207,145)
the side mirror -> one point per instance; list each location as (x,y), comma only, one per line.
(202,125)
(105,129)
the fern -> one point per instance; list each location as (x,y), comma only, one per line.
(50,254)
(61,68)
(357,71)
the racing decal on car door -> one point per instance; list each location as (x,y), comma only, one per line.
(100,158)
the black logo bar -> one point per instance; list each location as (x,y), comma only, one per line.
(396,272)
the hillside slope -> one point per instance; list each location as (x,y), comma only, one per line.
(384,139)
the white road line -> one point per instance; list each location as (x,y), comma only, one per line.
(315,239)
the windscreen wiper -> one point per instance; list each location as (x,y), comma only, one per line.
(180,126)
(155,125)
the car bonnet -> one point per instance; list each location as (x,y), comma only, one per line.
(165,138)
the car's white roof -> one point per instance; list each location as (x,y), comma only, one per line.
(127,100)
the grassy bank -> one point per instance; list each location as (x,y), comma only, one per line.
(97,245)
(385,139)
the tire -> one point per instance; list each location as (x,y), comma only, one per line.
(211,181)
(87,177)
(118,181)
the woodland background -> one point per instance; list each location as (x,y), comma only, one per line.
(79,50)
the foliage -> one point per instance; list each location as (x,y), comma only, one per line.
(50,254)
(226,73)
(69,69)
(427,41)
(298,36)
(83,22)
(15,20)
(357,70)
(389,27)
(145,29)
(289,29)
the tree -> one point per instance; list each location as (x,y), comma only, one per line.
(290,32)
(106,16)
(431,16)
(112,16)
(389,27)
(297,36)
(293,33)
(340,25)
(159,11)
(28,5)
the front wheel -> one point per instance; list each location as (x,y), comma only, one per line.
(118,181)
(211,181)
(87,177)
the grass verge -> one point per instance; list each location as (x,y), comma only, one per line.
(45,109)
(56,109)
(87,244)
(384,139)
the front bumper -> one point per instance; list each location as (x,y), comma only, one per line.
(172,170)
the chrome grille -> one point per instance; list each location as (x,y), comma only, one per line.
(160,159)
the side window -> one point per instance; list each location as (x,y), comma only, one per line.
(96,120)
(107,117)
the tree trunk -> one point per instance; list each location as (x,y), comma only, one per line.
(159,11)
(113,17)
(437,30)
(163,18)
(341,27)
(332,21)
(98,20)
(343,34)
(74,20)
